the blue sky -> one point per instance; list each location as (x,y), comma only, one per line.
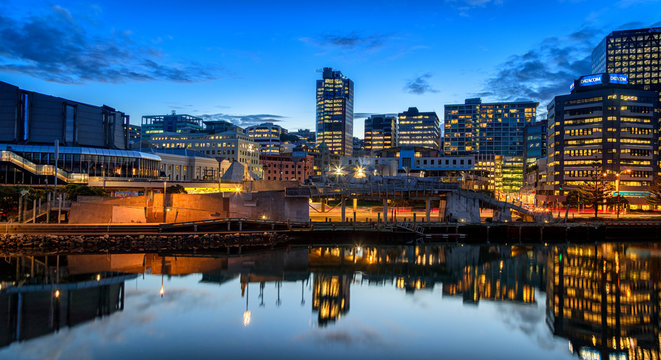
(257,60)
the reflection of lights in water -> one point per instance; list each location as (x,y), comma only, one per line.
(162,291)
(246,318)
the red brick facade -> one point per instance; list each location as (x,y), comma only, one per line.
(280,167)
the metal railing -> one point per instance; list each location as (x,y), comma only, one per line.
(42,170)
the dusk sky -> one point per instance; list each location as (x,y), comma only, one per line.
(249,61)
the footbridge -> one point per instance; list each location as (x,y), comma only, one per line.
(454,203)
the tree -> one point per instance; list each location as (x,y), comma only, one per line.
(654,197)
(572,199)
(9,197)
(72,191)
(176,189)
(595,191)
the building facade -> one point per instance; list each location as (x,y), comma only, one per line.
(380,132)
(634,53)
(186,165)
(229,145)
(171,123)
(495,129)
(267,135)
(335,112)
(604,130)
(287,168)
(534,142)
(28,117)
(487,128)
(417,128)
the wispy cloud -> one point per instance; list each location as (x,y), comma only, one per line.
(464,6)
(55,47)
(349,41)
(420,85)
(244,120)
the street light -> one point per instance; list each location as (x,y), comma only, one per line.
(617,188)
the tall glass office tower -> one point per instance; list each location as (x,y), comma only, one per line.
(493,128)
(335,112)
(635,53)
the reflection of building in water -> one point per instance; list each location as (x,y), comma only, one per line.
(498,277)
(407,267)
(604,301)
(330,296)
(37,299)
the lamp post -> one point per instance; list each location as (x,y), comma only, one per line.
(617,188)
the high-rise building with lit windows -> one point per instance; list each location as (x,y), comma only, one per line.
(635,53)
(604,300)
(267,135)
(606,130)
(335,112)
(487,128)
(418,129)
(493,129)
(380,132)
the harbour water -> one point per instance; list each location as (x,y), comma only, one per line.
(436,301)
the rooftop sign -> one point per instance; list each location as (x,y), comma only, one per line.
(591,80)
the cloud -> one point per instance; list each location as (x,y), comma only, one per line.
(464,6)
(360,336)
(244,120)
(350,41)
(419,85)
(546,70)
(529,320)
(54,47)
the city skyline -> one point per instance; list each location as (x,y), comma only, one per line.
(212,64)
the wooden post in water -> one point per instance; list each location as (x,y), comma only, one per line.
(428,210)
(34,211)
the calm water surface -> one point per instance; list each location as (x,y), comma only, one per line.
(448,302)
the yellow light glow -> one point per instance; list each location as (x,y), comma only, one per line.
(98,277)
(57,293)
(162,291)
(246,318)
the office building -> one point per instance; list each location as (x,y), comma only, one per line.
(335,112)
(534,142)
(287,168)
(380,132)
(491,129)
(267,135)
(605,126)
(417,128)
(229,145)
(634,53)
(134,134)
(487,128)
(172,123)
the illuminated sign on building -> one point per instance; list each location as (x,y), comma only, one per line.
(618,79)
(591,80)
(571,86)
